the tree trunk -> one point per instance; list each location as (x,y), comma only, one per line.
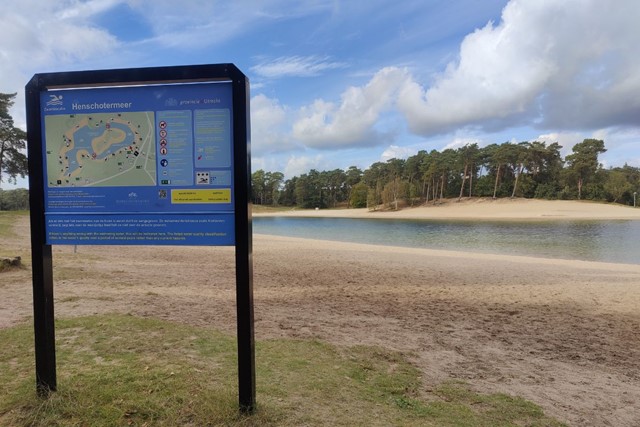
(515,184)
(1,158)
(580,188)
(436,184)
(427,192)
(471,183)
(495,186)
(464,179)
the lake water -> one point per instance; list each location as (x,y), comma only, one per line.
(609,241)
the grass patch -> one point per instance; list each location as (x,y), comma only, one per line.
(68,273)
(123,371)
(7,220)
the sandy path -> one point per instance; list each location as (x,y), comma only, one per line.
(564,334)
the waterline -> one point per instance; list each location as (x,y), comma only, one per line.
(607,241)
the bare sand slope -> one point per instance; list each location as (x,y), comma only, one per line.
(485,208)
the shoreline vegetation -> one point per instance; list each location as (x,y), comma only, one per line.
(531,170)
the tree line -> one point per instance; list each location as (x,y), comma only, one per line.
(526,169)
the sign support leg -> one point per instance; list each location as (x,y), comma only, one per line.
(246,340)
(41,258)
(244,246)
(45,345)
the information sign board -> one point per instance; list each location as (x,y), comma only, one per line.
(139,164)
(141,156)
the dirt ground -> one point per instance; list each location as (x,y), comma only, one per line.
(563,334)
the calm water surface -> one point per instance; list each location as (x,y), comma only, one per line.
(609,241)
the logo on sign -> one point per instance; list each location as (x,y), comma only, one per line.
(54,100)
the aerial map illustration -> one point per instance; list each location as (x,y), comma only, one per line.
(103,149)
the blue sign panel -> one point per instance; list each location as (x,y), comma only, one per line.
(141,229)
(117,159)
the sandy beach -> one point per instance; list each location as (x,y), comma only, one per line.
(483,208)
(563,334)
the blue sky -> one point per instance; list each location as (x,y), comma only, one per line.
(340,83)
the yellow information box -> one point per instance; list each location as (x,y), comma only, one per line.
(218,195)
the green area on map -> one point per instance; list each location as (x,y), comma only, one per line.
(103,150)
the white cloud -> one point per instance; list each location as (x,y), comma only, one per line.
(397,152)
(569,64)
(55,35)
(553,65)
(566,139)
(47,36)
(300,66)
(266,163)
(268,126)
(621,144)
(484,86)
(461,142)
(298,165)
(325,125)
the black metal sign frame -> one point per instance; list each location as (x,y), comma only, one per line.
(42,262)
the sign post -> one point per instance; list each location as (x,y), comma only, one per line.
(147,156)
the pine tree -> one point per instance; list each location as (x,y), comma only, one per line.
(13,160)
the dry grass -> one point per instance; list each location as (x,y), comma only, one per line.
(124,370)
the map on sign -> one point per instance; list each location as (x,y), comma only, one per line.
(102,149)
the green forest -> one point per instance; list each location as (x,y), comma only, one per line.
(526,169)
